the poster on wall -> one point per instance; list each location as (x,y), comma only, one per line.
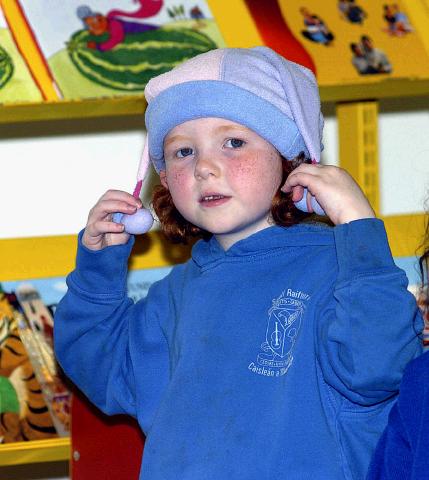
(98,48)
(16,83)
(345,41)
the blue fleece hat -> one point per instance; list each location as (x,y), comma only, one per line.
(255,87)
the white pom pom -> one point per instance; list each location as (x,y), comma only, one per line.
(137,223)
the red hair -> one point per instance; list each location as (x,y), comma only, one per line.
(178,230)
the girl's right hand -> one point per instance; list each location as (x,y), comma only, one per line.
(100,230)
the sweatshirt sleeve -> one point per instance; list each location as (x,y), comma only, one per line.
(371,330)
(401,452)
(102,338)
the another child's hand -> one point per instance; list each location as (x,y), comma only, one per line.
(335,190)
(100,230)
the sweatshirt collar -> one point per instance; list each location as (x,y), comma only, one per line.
(207,252)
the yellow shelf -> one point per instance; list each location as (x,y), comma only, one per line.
(136,104)
(388,88)
(98,107)
(35,451)
(44,257)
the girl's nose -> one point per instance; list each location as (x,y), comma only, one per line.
(206,166)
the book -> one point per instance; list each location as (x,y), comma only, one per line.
(17,84)
(104,48)
(36,332)
(35,402)
(23,408)
(348,43)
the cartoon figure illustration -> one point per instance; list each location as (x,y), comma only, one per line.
(367,59)
(197,15)
(148,8)
(360,61)
(6,67)
(116,29)
(284,322)
(123,55)
(315,29)
(397,21)
(196,12)
(351,11)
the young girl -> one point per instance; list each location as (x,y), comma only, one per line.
(402,451)
(277,349)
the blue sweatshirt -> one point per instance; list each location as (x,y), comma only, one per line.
(278,358)
(402,452)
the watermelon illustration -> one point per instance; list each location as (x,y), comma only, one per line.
(138,58)
(6,67)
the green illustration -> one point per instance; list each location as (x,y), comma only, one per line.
(131,63)
(6,67)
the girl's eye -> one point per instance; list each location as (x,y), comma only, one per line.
(234,143)
(184,152)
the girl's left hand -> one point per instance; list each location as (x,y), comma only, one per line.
(335,190)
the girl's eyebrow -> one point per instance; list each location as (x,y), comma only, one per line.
(238,128)
(175,138)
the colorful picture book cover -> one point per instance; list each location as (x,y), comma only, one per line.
(24,412)
(16,82)
(97,48)
(37,335)
(34,401)
(345,41)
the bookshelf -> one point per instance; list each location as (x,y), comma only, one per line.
(35,451)
(251,32)
(135,105)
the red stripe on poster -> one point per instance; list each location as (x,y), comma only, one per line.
(276,33)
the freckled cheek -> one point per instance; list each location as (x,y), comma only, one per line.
(176,178)
(254,175)
(180,187)
(243,170)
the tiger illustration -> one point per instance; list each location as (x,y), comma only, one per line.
(24,414)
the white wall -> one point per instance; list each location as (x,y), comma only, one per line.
(404,155)
(54,172)
(52,179)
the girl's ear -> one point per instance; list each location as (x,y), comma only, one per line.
(163,178)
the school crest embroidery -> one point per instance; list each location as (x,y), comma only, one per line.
(284,323)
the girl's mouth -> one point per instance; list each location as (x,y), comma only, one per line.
(213,200)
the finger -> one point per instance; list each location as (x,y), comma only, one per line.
(101,228)
(107,207)
(297,193)
(315,170)
(120,195)
(297,178)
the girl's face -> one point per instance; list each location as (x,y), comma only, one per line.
(222,177)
